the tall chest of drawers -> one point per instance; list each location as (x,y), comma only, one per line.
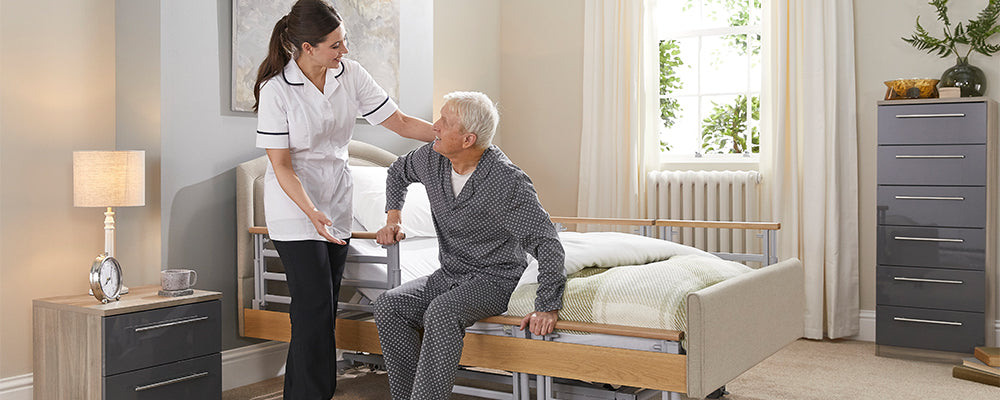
(142,347)
(937,217)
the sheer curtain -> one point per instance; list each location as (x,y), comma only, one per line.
(620,108)
(809,153)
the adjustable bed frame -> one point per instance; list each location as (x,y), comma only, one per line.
(732,325)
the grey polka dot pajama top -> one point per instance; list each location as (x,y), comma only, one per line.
(483,236)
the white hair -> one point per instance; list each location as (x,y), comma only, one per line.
(477,114)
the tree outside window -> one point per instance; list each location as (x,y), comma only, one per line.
(710,76)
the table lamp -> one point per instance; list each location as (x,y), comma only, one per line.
(109,179)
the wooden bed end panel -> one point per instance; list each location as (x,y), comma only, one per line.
(738,323)
(268,325)
(352,335)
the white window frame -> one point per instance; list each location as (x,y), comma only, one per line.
(747,161)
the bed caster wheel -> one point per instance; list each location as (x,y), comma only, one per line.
(718,393)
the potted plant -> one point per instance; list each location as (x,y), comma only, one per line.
(968,78)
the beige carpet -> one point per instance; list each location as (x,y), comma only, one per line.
(804,370)
(809,369)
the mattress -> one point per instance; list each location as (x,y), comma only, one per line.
(600,304)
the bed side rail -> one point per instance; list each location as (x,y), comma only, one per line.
(607,329)
(262,275)
(645,226)
(668,230)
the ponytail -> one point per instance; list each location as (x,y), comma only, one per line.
(278,54)
(308,22)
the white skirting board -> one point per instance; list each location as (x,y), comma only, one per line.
(240,366)
(16,388)
(866,332)
(250,364)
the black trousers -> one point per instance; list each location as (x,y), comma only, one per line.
(313,269)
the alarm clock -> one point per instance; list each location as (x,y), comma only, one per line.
(106,279)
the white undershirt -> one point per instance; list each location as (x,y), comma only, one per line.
(458,181)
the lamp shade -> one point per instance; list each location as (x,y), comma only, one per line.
(109,178)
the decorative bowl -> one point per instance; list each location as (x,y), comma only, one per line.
(913,88)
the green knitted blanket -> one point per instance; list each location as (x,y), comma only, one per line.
(651,295)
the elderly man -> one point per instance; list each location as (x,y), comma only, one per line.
(487,216)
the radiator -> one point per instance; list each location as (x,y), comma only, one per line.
(707,196)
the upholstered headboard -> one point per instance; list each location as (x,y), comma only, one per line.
(250,210)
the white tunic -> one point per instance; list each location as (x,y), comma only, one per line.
(316,128)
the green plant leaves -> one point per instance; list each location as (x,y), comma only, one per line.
(723,130)
(974,33)
(670,60)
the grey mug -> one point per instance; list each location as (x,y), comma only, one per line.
(178,279)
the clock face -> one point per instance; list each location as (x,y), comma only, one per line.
(106,279)
(110,278)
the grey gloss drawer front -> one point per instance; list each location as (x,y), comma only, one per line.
(932,165)
(929,329)
(932,206)
(932,123)
(141,339)
(942,289)
(948,248)
(198,378)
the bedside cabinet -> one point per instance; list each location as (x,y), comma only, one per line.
(937,227)
(141,347)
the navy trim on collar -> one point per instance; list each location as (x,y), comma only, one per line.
(376,108)
(290,83)
(272,133)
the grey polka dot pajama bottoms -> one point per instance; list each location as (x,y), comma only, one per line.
(425,369)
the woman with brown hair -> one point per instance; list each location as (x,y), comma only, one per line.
(308,97)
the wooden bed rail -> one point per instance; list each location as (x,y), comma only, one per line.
(604,221)
(677,223)
(680,223)
(619,330)
(354,235)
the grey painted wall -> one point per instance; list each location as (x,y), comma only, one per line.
(137,127)
(202,141)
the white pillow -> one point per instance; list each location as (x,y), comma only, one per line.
(369,203)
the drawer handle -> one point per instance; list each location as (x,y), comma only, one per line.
(172,323)
(927,321)
(171,382)
(902,278)
(929,156)
(959,198)
(928,115)
(923,239)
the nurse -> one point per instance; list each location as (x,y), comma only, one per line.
(307,99)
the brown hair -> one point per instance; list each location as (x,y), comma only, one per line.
(308,22)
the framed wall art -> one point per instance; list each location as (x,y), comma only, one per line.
(373,33)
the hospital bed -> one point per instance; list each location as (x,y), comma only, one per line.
(730,326)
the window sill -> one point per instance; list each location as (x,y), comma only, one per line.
(711,163)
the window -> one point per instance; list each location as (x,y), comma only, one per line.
(710,76)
